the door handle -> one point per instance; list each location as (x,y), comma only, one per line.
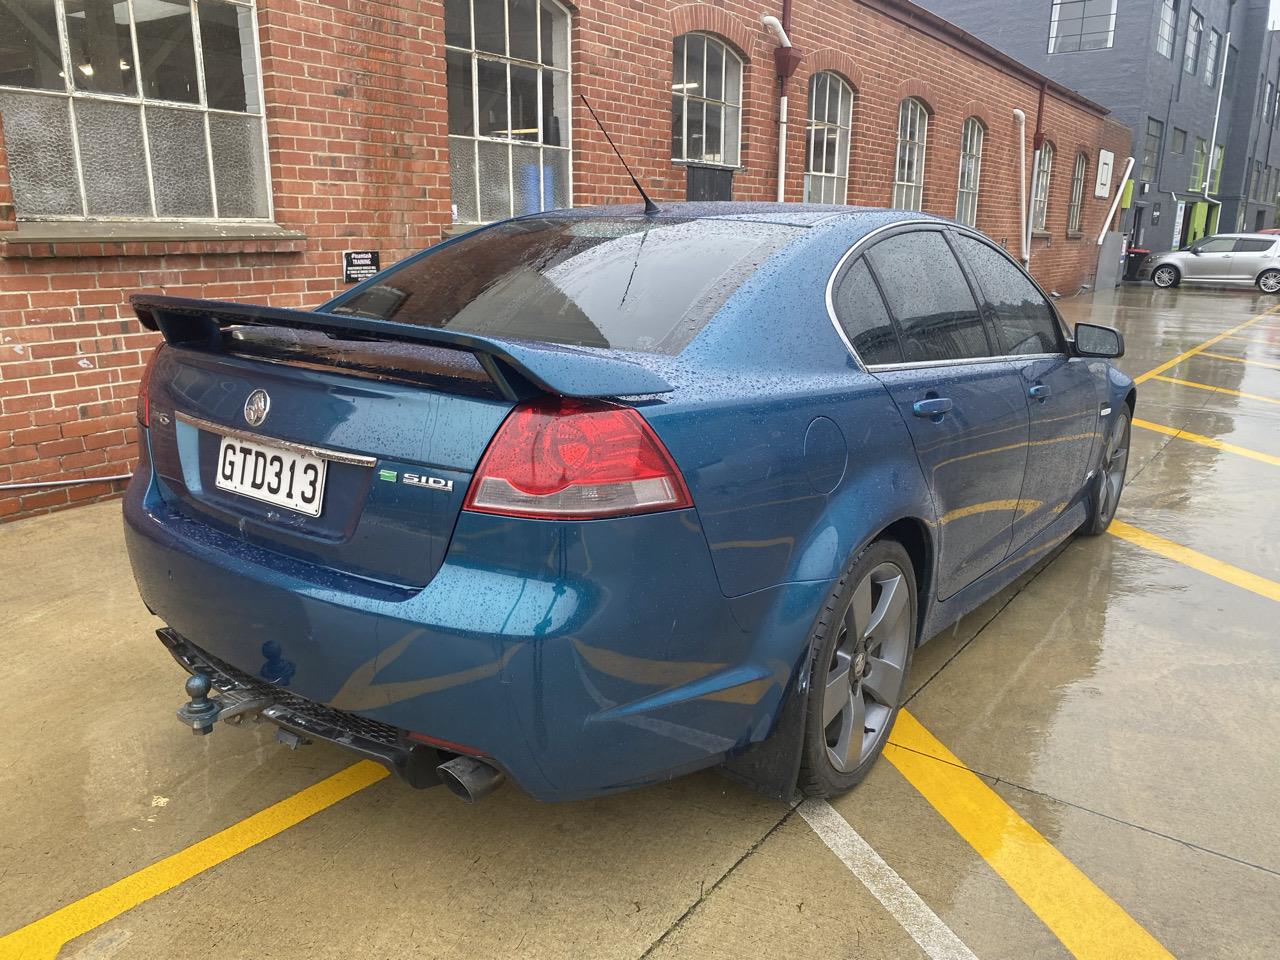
(935,408)
(1039,392)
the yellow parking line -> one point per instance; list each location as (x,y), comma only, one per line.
(1207,386)
(1207,441)
(1154,371)
(1252,363)
(1090,924)
(1196,560)
(43,938)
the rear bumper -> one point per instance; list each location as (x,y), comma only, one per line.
(582,657)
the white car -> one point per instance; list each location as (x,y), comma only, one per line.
(1227,258)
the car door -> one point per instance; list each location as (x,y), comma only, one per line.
(1250,257)
(912,317)
(1210,259)
(1062,394)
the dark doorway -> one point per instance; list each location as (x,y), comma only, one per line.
(708,183)
(1260,221)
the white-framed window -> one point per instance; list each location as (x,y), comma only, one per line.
(1195,30)
(1167,28)
(133,109)
(1077,193)
(1040,193)
(1216,178)
(1199,158)
(1081,25)
(706,100)
(908,175)
(826,167)
(507,70)
(1212,51)
(971,137)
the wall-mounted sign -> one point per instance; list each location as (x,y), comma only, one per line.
(359,265)
(1106,165)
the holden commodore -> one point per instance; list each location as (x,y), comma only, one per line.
(591,499)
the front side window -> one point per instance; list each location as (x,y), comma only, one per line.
(971,136)
(147,109)
(826,169)
(507,73)
(1212,51)
(908,177)
(1077,193)
(1151,150)
(1167,28)
(928,297)
(862,315)
(1198,160)
(1195,27)
(706,101)
(1024,321)
(1216,245)
(1040,196)
(1081,25)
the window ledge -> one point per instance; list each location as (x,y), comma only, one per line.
(1075,235)
(130,238)
(1041,235)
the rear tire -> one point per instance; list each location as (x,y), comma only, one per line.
(1269,281)
(863,643)
(1108,484)
(1166,276)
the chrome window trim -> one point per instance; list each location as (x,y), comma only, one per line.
(940,225)
(337,456)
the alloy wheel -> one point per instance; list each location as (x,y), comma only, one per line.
(1270,281)
(1114,463)
(1165,277)
(867,671)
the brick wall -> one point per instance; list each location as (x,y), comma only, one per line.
(357,126)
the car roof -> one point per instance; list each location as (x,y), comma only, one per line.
(787,214)
(1246,236)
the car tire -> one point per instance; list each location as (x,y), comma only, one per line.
(1166,277)
(868,623)
(1108,483)
(1269,281)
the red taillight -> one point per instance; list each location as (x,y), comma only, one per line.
(144,389)
(558,458)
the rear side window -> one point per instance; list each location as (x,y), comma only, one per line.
(627,283)
(861,312)
(1024,320)
(929,297)
(1253,246)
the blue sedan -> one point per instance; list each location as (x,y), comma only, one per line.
(592,499)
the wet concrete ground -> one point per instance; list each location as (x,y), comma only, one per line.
(1123,703)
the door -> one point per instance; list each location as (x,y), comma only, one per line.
(1062,393)
(964,409)
(1209,259)
(1251,256)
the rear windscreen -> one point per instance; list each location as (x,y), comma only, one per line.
(622,283)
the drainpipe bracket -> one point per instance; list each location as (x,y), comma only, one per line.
(786,61)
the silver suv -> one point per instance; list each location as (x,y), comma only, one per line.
(1228,258)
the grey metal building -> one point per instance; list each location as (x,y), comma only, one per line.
(1158,65)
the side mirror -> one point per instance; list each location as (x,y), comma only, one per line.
(1093,340)
(1194,251)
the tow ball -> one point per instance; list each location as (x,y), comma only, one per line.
(200,712)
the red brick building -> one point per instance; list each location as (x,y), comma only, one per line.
(228,149)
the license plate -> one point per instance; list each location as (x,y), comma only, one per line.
(271,474)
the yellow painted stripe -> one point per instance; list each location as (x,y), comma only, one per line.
(43,938)
(1155,371)
(1208,386)
(1196,560)
(1207,441)
(1090,924)
(1245,360)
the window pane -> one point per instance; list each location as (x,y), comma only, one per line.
(524,103)
(238,166)
(462,180)
(227,48)
(713,149)
(101,52)
(41,166)
(715,71)
(555,108)
(557,175)
(1024,321)
(526,177)
(693,124)
(458,79)
(115,173)
(491,28)
(179,163)
(863,316)
(29,53)
(929,297)
(522,29)
(495,181)
(733,80)
(677,63)
(694,78)
(457,23)
(491,88)
(677,126)
(167,51)
(731,123)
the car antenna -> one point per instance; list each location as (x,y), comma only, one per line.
(650,208)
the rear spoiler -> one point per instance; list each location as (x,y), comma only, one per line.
(562,370)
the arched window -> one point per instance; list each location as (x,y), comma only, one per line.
(971,136)
(826,168)
(1077,193)
(908,177)
(1040,193)
(706,100)
(507,72)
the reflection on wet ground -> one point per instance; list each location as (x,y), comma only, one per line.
(1120,703)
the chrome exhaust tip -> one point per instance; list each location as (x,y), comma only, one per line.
(469,779)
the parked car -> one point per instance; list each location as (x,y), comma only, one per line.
(592,499)
(1228,258)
